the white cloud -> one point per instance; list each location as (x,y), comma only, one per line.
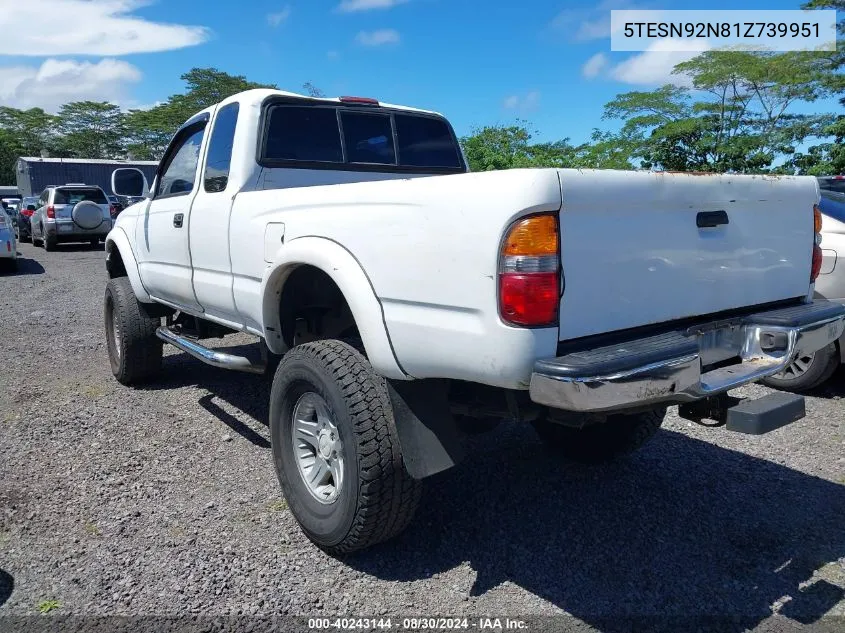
(275,19)
(594,65)
(56,82)
(381,37)
(522,103)
(654,66)
(354,6)
(42,28)
(590,23)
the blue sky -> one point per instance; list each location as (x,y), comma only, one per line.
(478,62)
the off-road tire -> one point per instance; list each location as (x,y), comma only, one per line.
(139,359)
(378,497)
(600,442)
(821,368)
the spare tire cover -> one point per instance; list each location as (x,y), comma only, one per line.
(87,214)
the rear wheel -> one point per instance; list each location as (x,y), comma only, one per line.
(47,241)
(336,450)
(134,350)
(806,372)
(600,442)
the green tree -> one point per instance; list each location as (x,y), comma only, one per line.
(91,129)
(204,88)
(30,130)
(312,91)
(606,150)
(509,147)
(736,116)
(828,157)
(9,153)
(149,131)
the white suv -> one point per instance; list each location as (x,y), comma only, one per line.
(71,213)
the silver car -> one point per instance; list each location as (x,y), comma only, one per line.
(810,371)
(71,213)
(8,242)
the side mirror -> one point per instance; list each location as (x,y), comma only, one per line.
(129,181)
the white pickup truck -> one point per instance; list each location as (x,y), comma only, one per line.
(394,294)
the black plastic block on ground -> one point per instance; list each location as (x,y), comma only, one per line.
(765,414)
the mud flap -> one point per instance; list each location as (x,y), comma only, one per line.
(427,433)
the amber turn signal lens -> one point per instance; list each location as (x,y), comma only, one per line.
(533,236)
(817,219)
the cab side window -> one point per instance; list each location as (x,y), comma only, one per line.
(219,158)
(177,176)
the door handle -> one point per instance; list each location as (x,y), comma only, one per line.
(710,219)
(178,219)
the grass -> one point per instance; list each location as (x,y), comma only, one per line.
(92,391)
(177,531)
(92,529)
(45,606)
(279,505)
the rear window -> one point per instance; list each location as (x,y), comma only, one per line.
(368,138)
(362,138)
(425,141)
(303,134)
(72,196)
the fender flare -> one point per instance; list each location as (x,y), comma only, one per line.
(339,264)
(116,239)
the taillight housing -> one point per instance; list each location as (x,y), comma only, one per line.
(817,238)
(529,272)
(27,213)
(51,212)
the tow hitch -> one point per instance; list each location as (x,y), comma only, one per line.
(753,417)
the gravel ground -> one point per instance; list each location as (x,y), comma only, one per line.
(162,501)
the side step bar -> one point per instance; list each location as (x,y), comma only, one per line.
(209,356)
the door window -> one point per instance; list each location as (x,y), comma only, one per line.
(219,157)
(180,169)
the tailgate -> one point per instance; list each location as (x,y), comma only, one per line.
(633,253)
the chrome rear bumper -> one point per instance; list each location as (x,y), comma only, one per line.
(672,366)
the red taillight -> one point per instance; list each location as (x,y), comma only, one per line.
(51,212)
(817,262)
(529,299)
(529,272)
(27,213)
(359,100)
(817,251)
